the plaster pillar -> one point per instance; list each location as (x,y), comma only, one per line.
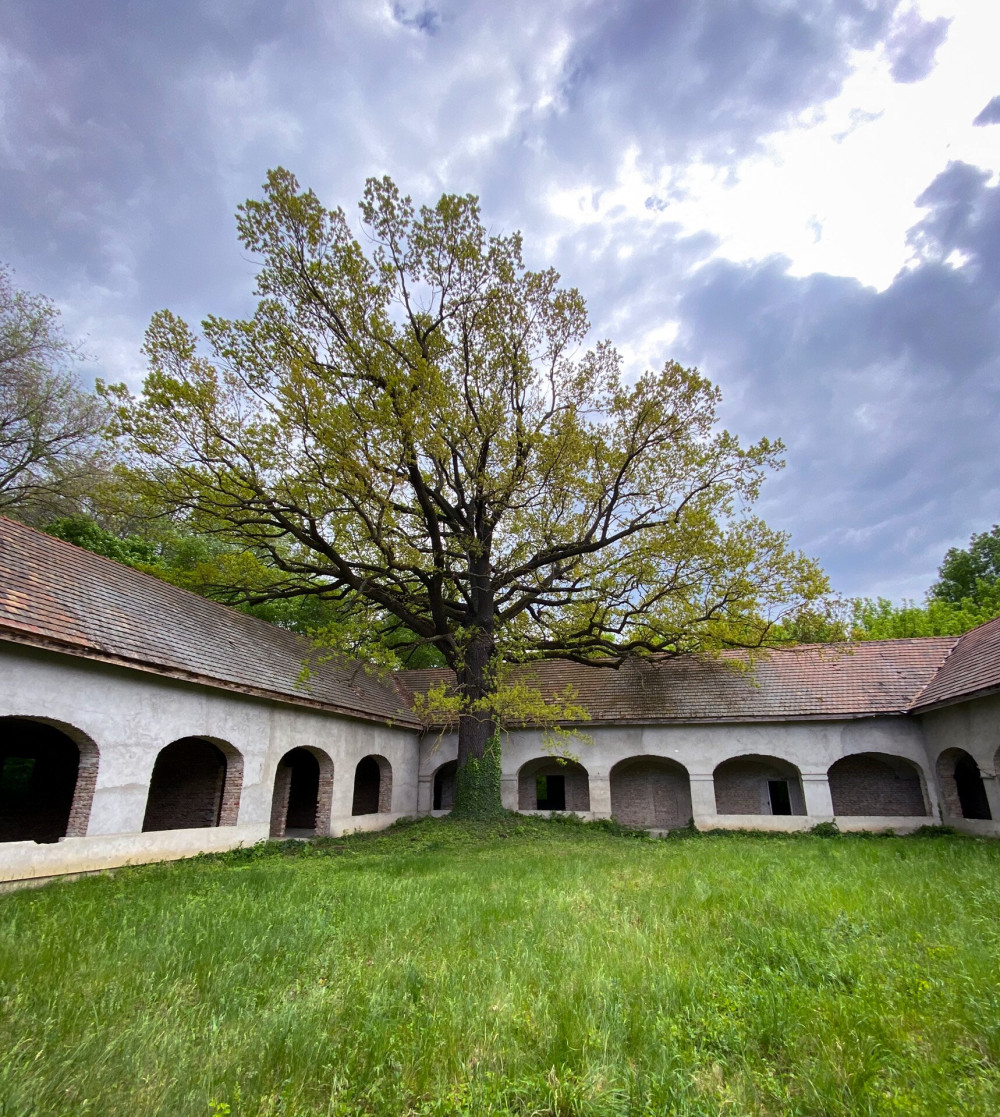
(816,792)
(122,788)
(343,789)
(703,796)
(600,795)
(425,795)
(991,785)
(508,792)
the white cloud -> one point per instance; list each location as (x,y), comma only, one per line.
(835,191)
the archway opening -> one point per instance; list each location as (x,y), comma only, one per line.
(758,785)
(444,786)
(46,782)
(303,792)
(651,792)
(372,786)
(876,784)
(962,785)
(550,784)
(194,784)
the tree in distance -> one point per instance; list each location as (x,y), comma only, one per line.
(410,426)
(966,595)
(972,574)
(49,427)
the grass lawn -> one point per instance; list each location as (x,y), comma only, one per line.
(529,967)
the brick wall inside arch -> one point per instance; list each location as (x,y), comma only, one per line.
(650,794)
(869,785)
(372,786)
(302,774)
(194,783)
(741,785)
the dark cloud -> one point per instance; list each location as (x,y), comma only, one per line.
(424,19)
(705,79)
(912,45)
(131,130)
(888,400)
(990,114)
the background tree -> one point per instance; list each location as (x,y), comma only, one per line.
(413,432)
(966,595)
(49,427)
(972,574)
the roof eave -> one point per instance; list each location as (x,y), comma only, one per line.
(954,700)
(93,654)
(626,723)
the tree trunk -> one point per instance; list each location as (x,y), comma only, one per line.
(477,783)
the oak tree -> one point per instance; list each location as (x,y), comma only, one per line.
(409,423)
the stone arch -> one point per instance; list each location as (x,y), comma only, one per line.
(48,772)
(876,784)
(961,782)
(444,786)
(552,783)
(303,793)
(196,782)
(755,784)
(372,786)
(652,792)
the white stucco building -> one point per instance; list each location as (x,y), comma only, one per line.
(140,722)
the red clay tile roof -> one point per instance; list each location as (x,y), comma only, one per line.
(972,667)
(53,594)
(810,681)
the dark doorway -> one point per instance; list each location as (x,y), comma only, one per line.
(551,792)
(781,800)
(970,789)
(303,791)
(186,787)
(38,772)
(553,784)
(444,786)
(367,786)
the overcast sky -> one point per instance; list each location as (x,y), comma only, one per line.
(800,197)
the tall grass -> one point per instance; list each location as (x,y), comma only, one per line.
(528,967)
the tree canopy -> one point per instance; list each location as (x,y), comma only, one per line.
(409,425)
(972,574)
(966,595)
(49,427)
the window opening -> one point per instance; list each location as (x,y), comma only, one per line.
(781,802)
(971,792)
(551,793)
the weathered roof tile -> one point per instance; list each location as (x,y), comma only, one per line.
(809,681)
(973,667)
(54,592)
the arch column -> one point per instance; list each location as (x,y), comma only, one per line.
(702,796)
(991,785)
(600,794)
(816,793)
(425,794)
(508,791)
